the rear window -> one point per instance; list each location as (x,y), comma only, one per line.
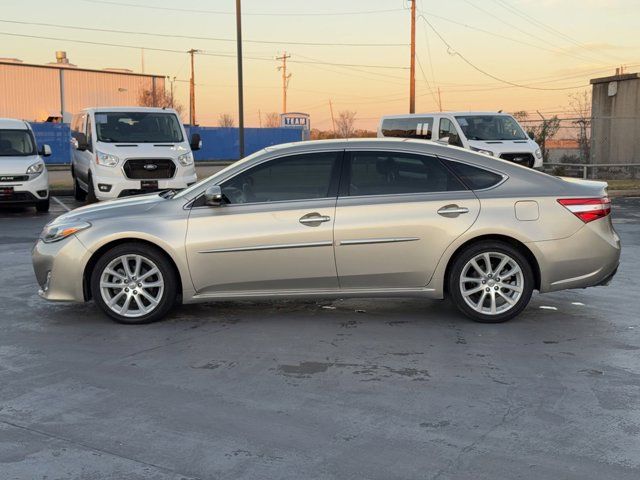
(408,127)
(475,178)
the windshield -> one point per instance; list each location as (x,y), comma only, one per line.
(16,143)
(138,127)
(490,127)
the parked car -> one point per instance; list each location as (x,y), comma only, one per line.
(335,219)
(495,134)
(130,150)
(23,174)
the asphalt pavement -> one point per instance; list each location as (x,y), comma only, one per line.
(347,389)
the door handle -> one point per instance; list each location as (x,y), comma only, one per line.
(314,219)
(452,210)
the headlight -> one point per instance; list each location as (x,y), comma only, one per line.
(186,159)
(36,169)
(538,153)
(54,233)
(485,152)
(106,159)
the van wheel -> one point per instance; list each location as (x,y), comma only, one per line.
(134,284)
(79,194)
(43,206)
(91,193)
(491,282)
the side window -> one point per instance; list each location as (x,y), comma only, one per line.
(409,127)
(89,135)
(475,178)
(297,177)
(448,133)
(382,173)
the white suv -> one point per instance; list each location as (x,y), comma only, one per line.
(130,150)
(23,175)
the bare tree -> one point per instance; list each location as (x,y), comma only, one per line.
(345,123)
(580,103)
(544,131)
(226,120)
(161,99)
(272,120)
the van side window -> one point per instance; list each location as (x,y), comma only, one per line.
(409,127)
(448,133)
(475,178)
(389,173)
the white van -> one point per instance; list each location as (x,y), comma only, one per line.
(23,174)
(495,134)
(130,150)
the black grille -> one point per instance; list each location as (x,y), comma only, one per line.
(17,197)
(14,178)
(525,159)
(149,168)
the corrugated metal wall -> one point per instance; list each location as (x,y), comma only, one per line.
(28,92)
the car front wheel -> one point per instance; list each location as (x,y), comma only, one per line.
(491,282)
(134,284)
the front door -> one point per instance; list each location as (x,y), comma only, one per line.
(395,216)
(275,231)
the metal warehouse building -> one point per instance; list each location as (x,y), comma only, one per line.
(32,92)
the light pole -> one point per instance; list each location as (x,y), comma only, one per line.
(240,89)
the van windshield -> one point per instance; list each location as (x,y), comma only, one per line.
(490,127)
(16,143)
(138,127)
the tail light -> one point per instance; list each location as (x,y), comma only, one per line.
(587,209)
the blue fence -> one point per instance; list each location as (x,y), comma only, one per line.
(58,137)
(217,143)
(224,144)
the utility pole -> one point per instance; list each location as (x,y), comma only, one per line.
(240,86)
(285,79)
(192,91)
(412,73)
(333,120)
(260,118)
(172,81)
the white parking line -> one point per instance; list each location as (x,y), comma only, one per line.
(61,204)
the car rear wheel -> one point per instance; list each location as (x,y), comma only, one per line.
(134,283)
(491,282)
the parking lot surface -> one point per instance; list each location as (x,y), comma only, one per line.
(347,389)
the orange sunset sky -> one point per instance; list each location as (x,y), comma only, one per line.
(355,53)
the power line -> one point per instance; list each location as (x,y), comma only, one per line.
(194,37)
(262,14)
(454,52)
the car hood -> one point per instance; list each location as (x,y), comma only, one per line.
(505,146)
(144,150)
(136,205)
(16,165)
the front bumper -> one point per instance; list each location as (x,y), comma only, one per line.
(59,269)
(31,191)
(121,187)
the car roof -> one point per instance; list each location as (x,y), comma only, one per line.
(431,114)
(127,109)
(13,124)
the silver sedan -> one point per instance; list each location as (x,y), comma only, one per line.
(335,219)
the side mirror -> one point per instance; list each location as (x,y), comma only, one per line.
(80,141)
(531,136)
(46,151)
(196,142)
(213,196)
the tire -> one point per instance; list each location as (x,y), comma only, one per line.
(91,192)
(79,194)
(139,309)
(484,285)
(43,206)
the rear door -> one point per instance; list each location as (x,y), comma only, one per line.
(396,214)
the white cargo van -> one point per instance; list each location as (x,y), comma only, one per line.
(23,174)
(130,150)
(495,134)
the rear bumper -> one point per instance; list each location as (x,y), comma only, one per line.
(588,258)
